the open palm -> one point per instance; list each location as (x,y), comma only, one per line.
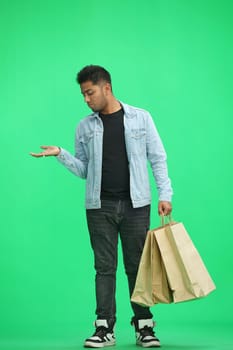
(48,151)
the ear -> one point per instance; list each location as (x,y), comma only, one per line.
(108,88)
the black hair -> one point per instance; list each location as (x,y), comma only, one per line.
(93,73)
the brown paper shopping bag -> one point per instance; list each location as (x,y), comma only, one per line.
(151,285)
(187,275)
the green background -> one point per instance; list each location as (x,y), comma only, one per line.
(171,57)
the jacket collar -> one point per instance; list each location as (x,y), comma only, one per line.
(128,111)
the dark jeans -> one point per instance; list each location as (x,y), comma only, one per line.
(117,218)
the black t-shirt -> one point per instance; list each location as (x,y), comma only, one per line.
(115,166)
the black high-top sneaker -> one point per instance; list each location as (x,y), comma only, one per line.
(145,336)
(103,336)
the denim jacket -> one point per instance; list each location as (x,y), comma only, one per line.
(142,144)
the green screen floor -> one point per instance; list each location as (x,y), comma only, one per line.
(180,337)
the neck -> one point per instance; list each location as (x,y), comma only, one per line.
(111,107)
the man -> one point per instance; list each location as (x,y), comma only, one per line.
(112,147)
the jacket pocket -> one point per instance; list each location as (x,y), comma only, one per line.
(86,138)
(138,141)
(87,141)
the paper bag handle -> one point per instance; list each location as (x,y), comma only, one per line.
(165,219)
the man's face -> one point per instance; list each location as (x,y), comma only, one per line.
(95,95)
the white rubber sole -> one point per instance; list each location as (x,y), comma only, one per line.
(151,344)
(93,345)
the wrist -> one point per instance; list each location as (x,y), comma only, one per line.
(58,151)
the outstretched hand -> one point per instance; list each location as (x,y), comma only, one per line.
(48,151)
